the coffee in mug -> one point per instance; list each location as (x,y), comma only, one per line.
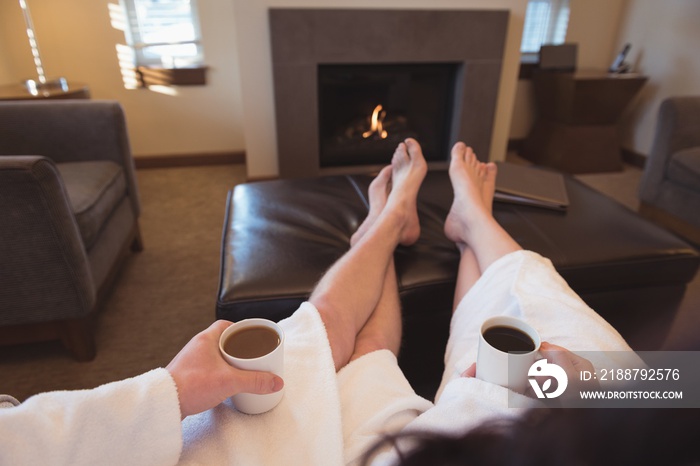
(509,339)
(251,342)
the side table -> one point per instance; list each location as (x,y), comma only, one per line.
(576,128)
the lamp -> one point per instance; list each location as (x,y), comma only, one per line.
(32,85)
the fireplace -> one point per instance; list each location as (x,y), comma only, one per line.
(350,84)
(365,111)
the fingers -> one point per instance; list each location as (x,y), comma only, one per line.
(260,383)
(220,324)
(257,382)
(561,356)
(471,371)
(215,330)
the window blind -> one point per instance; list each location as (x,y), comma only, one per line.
(164,32)
(545,23)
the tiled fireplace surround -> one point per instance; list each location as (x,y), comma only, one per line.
(301,39)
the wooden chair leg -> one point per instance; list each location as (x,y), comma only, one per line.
(137,243)
(77,336)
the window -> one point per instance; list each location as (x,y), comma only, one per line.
(163,33)
(545,23)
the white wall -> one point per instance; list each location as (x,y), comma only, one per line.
(256,69)
(594,25)
(665,37)
(78,42)
(5,75)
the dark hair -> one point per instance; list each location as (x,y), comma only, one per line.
(561,437)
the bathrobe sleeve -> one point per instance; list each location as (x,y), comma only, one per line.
(134,421)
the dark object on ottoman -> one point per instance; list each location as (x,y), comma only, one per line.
(281,236)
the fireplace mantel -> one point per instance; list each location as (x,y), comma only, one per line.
(302,38)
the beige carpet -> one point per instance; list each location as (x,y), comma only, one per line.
(163,296)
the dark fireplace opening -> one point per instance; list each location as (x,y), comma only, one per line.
(366,110)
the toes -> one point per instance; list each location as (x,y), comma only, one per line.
(491,171)
(470,158)
(458,151)
(383,176)
(381,182)
(400,154)
(414,148)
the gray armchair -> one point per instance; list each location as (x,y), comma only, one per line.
(670,187)
(69,212)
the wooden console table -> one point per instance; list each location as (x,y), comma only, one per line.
(576,128)
(20,92)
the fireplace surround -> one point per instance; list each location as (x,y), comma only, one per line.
(307,42)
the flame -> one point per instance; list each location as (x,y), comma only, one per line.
(376,125)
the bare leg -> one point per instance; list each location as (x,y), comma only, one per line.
(469,271)
(349,292)
(470,220)
(383,328)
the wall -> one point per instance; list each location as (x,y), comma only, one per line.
(594,25)
(78,42)
(256,70)
(5,75)
(664,37)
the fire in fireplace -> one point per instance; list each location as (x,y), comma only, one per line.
(366,110)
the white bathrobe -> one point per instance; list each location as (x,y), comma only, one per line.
(324,418)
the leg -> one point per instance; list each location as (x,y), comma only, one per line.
(349,292)
(137,241)
(383,328)
(469,271)
(470,220)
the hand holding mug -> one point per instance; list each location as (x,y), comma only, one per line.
(254,345)
(204,379)
(507,348)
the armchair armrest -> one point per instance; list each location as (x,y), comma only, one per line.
(677,128)
(40,246)
(69,131)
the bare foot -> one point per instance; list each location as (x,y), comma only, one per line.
(377,193)
(408,171)
(468,177)
(489,184)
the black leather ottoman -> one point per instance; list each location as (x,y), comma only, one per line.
(281,236)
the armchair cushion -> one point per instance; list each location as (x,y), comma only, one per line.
(95,189)
(684,168)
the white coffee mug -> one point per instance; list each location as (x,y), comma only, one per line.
(251,403)
(506,369)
